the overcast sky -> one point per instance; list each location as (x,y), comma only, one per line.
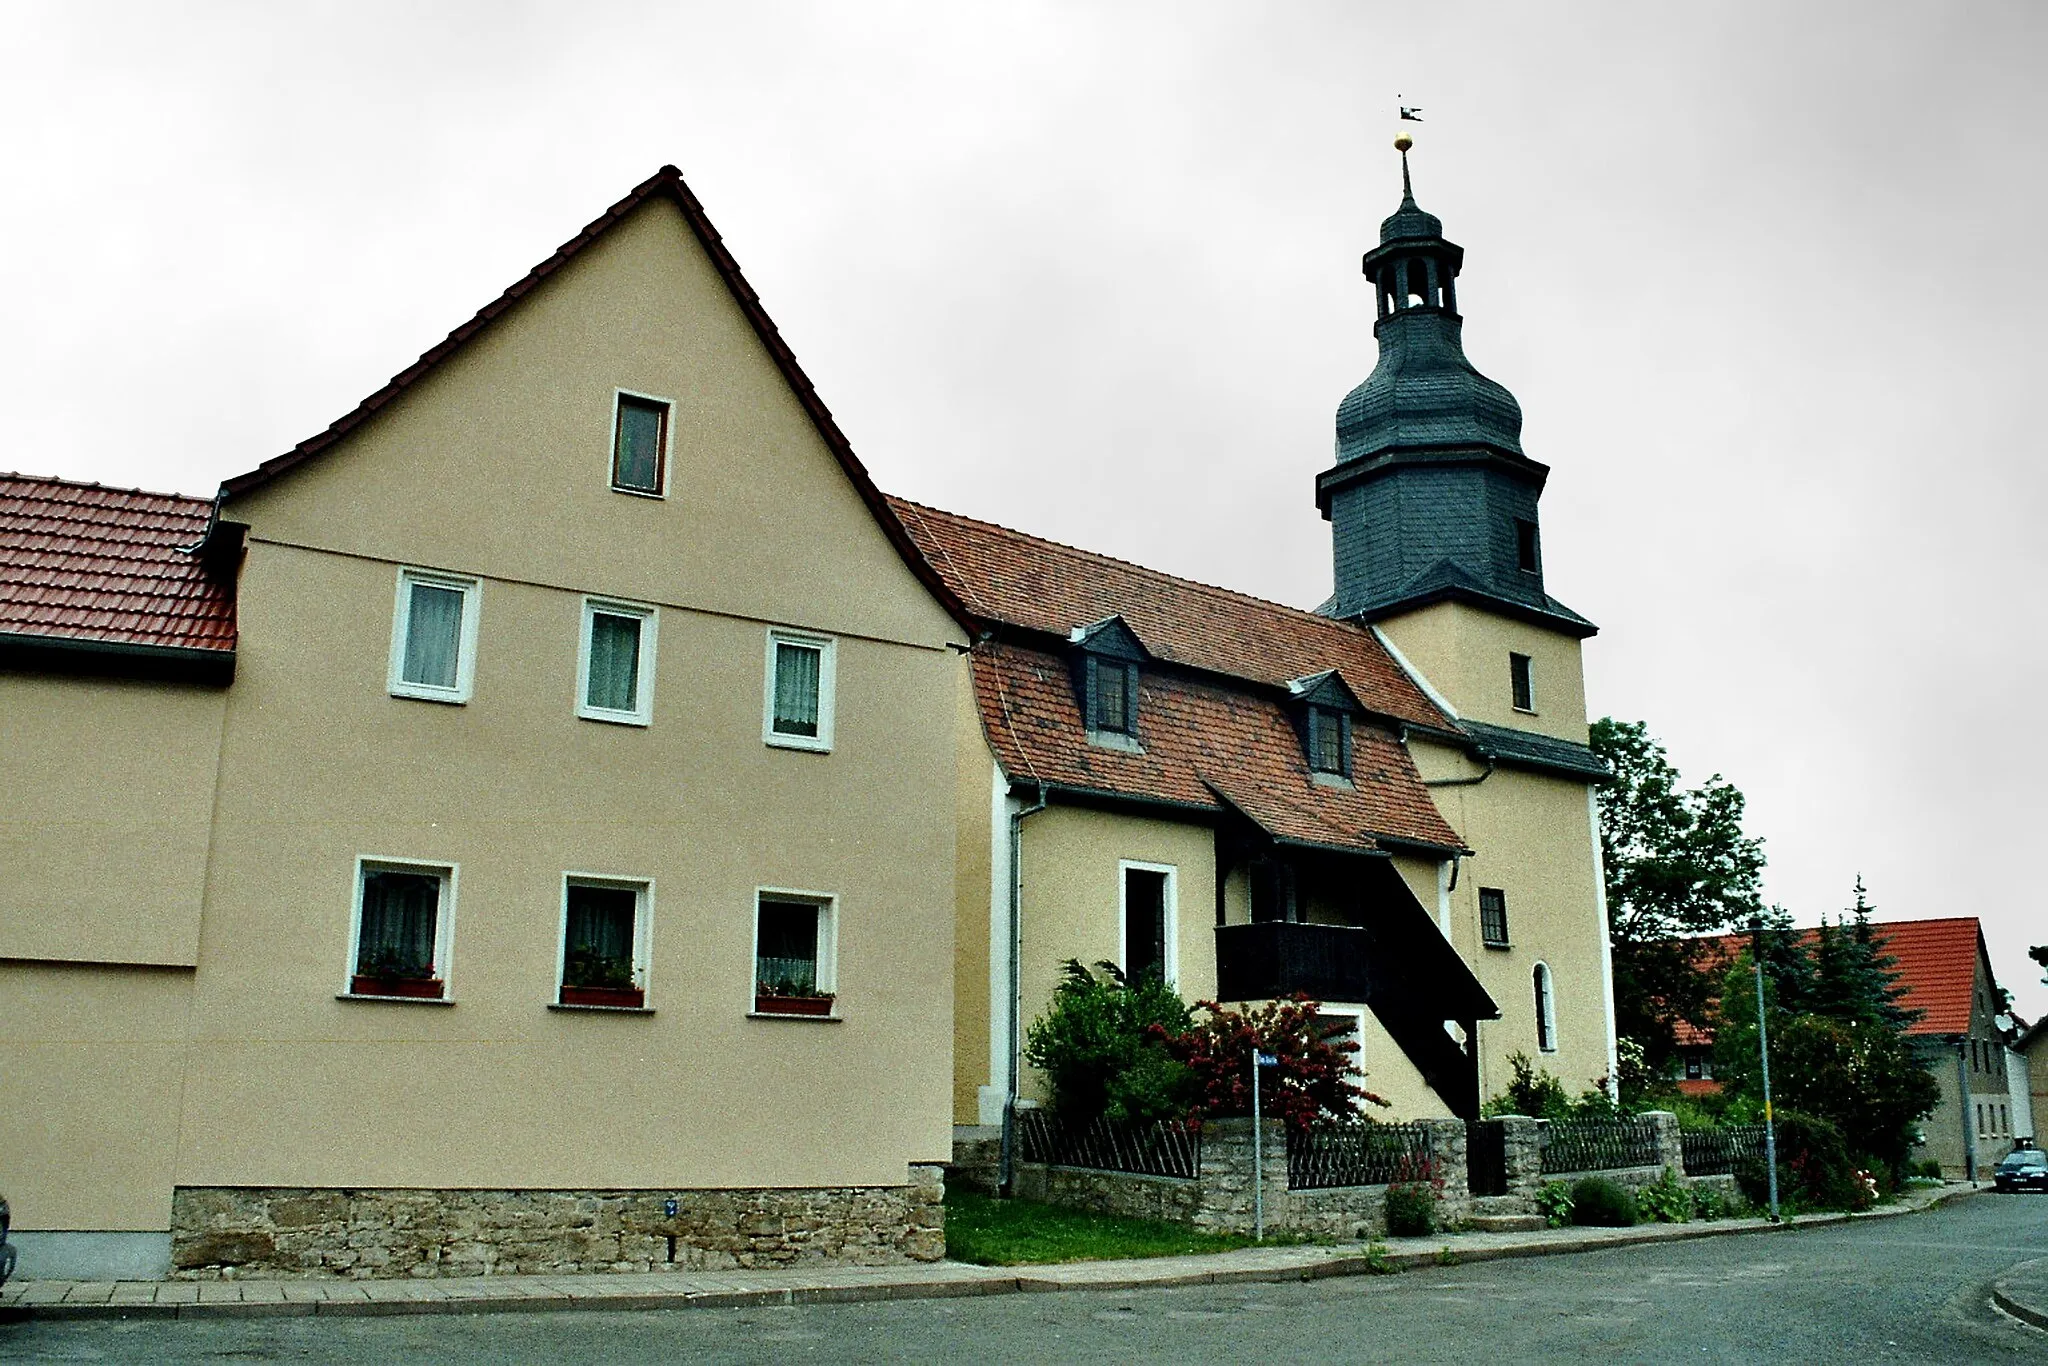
(1768,281)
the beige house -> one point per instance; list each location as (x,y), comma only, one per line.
(475,840)
(1387,804)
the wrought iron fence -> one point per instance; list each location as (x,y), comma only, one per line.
(1591,1145)
(1356,1155)
(1714,1152)
(1157,1148)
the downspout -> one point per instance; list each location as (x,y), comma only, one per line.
(1015,987)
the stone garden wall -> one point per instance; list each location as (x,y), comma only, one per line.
(1223,1197)
(274,1233)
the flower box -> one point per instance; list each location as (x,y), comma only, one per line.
(765,1004)
(419,988)
(622,998)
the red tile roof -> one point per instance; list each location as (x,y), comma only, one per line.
(1937,964)
(82,563)
(667,184)
(1008,577)
(1205,743)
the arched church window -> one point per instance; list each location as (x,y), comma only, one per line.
(1546,1010)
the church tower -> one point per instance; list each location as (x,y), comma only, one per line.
(1438,548)
(1431,498)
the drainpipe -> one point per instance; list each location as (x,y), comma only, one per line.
(1963,1108)
(1015,987)
(1463,782)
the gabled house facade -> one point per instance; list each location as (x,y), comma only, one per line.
(1960,1036)
(474,839)
(1387,804)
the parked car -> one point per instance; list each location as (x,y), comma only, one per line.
(2026,1169)
(6,1249)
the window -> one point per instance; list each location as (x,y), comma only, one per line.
(797,712)
(1525,546)
(1546,1010)
(1695,1066)
(1345,1031)
(402,916)
(1112,696)
(604,942)
(1147,947)
(793,954)
(1329,741)
(433,636)
(615,667)
(640,444)
(1493,917)
(1522,681)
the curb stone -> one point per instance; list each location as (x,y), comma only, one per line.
(549,1294)
(2023,1305)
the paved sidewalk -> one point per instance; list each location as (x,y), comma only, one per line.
(825,1285)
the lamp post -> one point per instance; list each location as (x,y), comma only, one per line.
(1763,1048)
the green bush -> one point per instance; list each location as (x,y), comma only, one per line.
(1102,1044)
(1814,1170)
(1600,1203)
(1930,1168)
(1668,1201)
(1709,1203)
(1411,1210)
(1554,1202)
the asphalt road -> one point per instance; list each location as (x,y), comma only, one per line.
(1907,1290)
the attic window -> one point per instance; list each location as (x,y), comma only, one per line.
(1112,696)
(1329,741)
(639,444)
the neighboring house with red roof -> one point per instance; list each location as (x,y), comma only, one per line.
(1386,804)
(476,839)
(1945,970)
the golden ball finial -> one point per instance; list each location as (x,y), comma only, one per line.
(1402,142)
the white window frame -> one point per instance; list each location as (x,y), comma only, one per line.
(828,672)
(643,931)
(1546,1009)
(668,442)
(401,624)
(1124,868)
(1357,1018)
(444,924)
(642,713)
(1529,710)
(827,904)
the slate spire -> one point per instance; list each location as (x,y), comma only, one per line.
(1431,495)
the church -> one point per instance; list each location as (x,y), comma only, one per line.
(1387,803)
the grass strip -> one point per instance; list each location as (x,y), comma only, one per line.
(992,1232)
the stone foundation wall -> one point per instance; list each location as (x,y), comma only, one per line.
(271,1233)
(977,1163)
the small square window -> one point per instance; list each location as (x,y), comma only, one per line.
(604,943)
(1525,546)
(615,667)
(794,936)
(1329,741)
(1493,917)
(402,919)
(1522,681)
(640,444)
(433,636)
(797,708)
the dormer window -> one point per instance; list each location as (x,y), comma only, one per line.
(1525,547)
(1112,696)
(1107,672)
(1326,708)
(1329,741)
